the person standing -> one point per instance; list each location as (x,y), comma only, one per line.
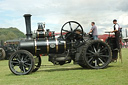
(125,44)
(94,31)
(117,33)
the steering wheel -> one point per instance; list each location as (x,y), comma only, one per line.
(70,30)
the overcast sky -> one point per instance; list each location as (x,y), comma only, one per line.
(56,12)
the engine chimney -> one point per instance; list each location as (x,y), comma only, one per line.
(28,25)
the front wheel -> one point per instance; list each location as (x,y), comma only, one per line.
(37,63)
(96,54)
(21,62)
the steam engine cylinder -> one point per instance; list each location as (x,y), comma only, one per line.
(43,34)
(43,46)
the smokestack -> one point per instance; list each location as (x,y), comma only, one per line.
(28,25)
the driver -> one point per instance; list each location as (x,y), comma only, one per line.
(94,31)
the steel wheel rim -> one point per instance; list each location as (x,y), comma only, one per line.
(97,55)
(20,63)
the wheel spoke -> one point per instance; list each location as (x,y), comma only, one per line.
(28,64)
(18,57)
(22,58)
(98,47)
(25,66)
(65,30)
(104,56)
(26,61)
(90,60)
(24,70)
(101,61)
(91,51)
(96,63)
(25,58)
(98,50)
(103,49)
(94,49)
(77,27)
(15,63)
(70,26)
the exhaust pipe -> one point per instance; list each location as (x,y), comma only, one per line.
(28,25)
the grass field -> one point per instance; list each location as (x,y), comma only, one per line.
(48,74)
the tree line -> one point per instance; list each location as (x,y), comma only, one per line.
(10,34)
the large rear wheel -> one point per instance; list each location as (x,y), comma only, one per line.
(96,54)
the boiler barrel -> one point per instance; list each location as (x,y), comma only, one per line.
(43,46)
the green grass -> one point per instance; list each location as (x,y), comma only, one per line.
(48,74)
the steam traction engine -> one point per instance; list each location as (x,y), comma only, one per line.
(72,44)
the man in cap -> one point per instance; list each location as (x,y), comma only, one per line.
(117,33)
